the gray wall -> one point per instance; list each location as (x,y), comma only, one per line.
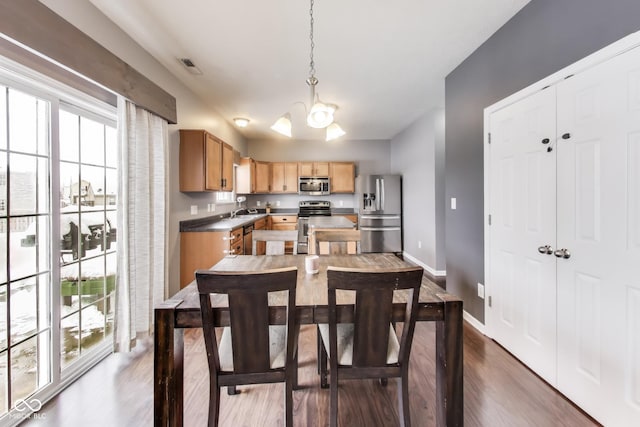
(417,153)
(369,156)
(545,36)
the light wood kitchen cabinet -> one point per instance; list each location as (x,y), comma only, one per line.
(284,222)
(206,162)
(253,176)
(203,249)
(313,168)
(263,177)
(227,167)
(284,177)
(342,177)
(261,247)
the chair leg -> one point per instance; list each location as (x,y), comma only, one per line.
(333,405)
(214,405)
(322,360)
(294,371)
(288,401)
(231,390)
(403,400)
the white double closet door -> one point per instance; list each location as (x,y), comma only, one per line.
(564,240)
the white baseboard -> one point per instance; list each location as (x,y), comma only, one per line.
(432,271)
(474,322)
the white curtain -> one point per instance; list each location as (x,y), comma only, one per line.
(141,278)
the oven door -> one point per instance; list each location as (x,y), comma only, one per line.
(303,228)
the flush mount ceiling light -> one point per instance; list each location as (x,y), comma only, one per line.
(320,114)
(241,122)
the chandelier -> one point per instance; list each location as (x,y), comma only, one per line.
(320,115)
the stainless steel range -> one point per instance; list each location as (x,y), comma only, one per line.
(306,209)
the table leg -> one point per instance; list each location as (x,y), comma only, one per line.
(168,366)
(449,366)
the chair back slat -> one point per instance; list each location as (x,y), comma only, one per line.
(337,241)
(372,316)
(373,309)
(274,241)
(248,313)
(249,319)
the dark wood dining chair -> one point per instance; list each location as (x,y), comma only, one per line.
(365,344)
(338,241)
(274,241)
(252,350)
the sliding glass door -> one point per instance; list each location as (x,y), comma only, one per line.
(58,190)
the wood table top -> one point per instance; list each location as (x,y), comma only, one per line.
(311,290)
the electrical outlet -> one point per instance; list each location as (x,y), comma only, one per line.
(481,290)
(454,203)
(277,202)
(419,244)
(194,209)
(341,203)
(258,203)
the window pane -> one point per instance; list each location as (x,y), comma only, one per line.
(24,369)
(3,126)
(3,252)
(28,246)
(3,183)
(111,147)
(69,178)
(23,122)
(92,283)
(91,142)
(3,318)
(4,383)
(69,288)
(24,303)
(111,190)
(69,136)
(91,186)
(92,319)
(22,184)
(43,185)
(69,337)
(71,248)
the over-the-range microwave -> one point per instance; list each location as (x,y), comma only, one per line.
(313,185)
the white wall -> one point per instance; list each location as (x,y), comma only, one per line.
(417,153)
(193,112)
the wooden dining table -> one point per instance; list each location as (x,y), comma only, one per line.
(183,311)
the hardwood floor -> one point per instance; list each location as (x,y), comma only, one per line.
(499,391)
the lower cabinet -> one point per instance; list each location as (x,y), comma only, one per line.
(203,249)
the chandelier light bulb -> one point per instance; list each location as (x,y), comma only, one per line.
(283,125)
(334,131)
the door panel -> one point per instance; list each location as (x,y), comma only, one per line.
(522,191)
(598,216)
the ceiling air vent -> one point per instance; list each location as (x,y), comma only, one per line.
(189,65)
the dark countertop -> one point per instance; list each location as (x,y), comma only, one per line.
(223,222)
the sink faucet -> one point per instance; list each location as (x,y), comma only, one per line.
(234,213)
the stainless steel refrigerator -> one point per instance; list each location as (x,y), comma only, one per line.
(380,212)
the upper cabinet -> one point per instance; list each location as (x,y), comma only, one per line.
(253,176)
(284,177)
(206,162)
(256,177)
(342,177)
(313,169)
(263,177)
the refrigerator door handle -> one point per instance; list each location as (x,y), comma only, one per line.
(379,217)
(379,228)
(377,194)
(381,194)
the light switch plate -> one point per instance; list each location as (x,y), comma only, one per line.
(194,209)
(453,203)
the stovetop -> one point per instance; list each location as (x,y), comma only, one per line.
(307,208)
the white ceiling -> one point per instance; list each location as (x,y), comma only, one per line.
(382,62)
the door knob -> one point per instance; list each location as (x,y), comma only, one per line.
(563,253)
(545,250)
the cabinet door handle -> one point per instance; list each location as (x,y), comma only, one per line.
(563,253)
(545,250)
